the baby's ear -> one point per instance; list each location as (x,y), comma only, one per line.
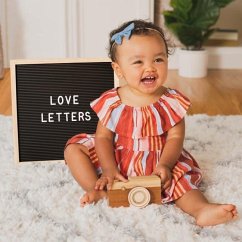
(117,70)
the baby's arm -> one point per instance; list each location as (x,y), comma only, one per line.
(105,151)
(171,152)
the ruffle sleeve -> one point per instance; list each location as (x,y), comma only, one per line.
(138,122)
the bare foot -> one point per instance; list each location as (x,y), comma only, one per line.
(92,196)
(213,214)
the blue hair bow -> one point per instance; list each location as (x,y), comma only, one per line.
(124,33)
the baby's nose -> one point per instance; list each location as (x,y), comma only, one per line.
(150,68)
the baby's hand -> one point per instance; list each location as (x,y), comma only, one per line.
(107,179)
(164,173)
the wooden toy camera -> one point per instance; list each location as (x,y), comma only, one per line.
(139,191)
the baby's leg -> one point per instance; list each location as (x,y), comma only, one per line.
(82,169)
(205,213)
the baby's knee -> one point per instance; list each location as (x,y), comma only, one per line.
(68,151)
(72,150)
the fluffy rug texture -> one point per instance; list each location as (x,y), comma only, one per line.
(39,201)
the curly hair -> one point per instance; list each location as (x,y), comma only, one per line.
(141,27)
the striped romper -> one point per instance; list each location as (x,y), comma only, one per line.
(139,137)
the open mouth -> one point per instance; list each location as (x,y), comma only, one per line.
(148,80)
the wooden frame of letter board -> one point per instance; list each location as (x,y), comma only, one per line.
(95,67)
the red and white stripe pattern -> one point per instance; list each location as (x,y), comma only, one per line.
(140,135)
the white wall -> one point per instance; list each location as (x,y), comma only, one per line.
(43,29)
(34,29)
(99,17)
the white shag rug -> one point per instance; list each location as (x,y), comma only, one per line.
(39,201)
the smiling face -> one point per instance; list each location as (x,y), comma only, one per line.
(142,62)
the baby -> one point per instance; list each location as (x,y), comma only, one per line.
(141,129)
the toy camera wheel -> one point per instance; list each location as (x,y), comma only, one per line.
(139,197)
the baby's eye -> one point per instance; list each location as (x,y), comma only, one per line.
(137,62)
(158,60)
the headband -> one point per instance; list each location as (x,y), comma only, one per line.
(126,32)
